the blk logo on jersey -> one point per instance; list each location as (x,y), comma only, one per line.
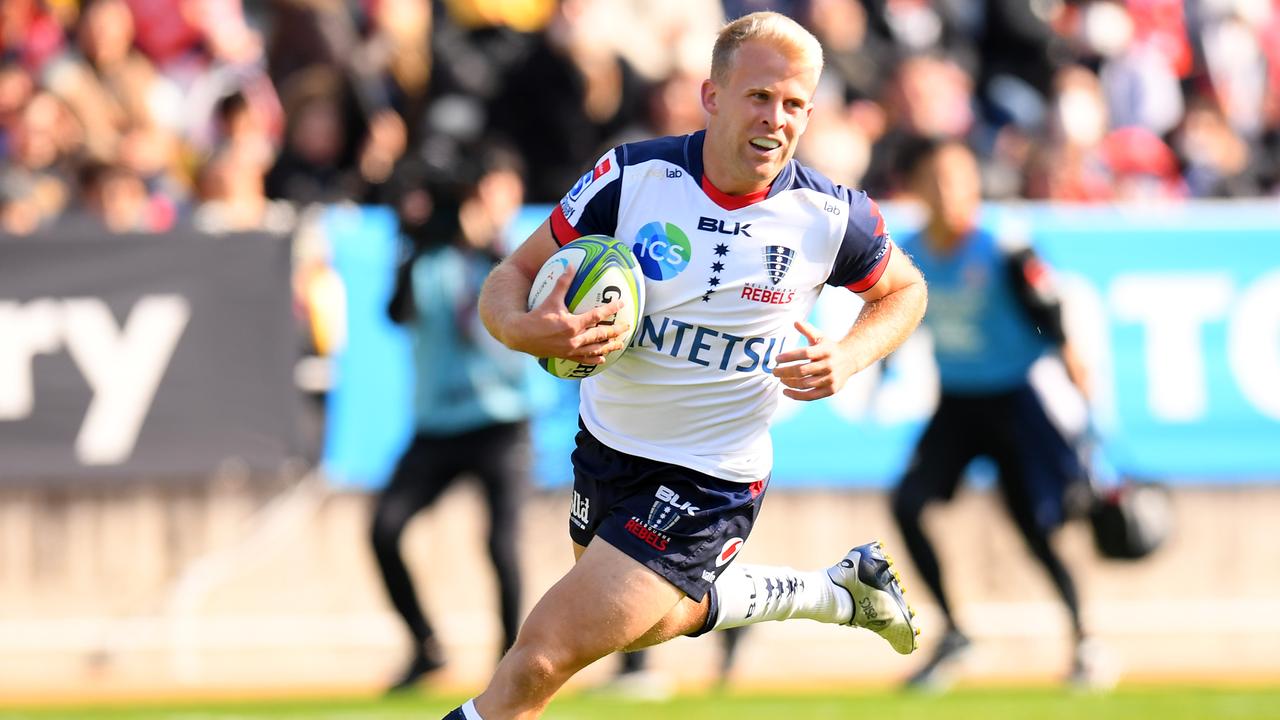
(777,261)
(663,250)
(707,224)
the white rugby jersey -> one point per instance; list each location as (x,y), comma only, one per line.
(726,277)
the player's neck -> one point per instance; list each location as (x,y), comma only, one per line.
(719,176)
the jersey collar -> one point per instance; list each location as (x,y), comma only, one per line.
(693,160)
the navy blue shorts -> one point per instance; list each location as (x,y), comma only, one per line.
(682,524)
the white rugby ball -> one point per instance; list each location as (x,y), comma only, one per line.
(604,270)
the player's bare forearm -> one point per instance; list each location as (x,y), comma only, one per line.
(884,324)
(502,301)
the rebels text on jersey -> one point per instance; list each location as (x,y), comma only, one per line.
(726,277)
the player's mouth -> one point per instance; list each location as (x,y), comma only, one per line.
(765,144)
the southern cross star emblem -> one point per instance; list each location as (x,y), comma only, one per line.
(713,282)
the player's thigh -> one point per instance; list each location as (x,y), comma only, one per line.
(602,605)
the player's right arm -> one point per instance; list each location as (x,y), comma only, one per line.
(548,330)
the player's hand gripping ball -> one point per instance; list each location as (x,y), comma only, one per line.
(604,270)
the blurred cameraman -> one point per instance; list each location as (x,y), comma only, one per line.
(471,410)
(993,313)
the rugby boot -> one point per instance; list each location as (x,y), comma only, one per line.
(868,575)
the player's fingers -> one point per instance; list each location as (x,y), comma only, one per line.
(555,299)
(804,353)
(811,333)
(599,334)
(807,382)
(596,351)
(598,315)
(802,369)
(807,395)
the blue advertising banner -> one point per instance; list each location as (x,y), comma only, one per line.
(1176,309)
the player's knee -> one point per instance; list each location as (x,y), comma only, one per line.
(538,666)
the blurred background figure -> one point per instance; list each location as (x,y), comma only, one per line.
(115,197)
(992,314)
(568,98)
(471,404)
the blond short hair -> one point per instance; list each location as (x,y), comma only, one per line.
(778,30)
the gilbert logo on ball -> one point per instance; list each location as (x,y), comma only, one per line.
(604,270)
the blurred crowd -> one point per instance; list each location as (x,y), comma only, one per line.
(139,115)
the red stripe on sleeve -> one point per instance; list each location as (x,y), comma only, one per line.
(561,231)
(873,277)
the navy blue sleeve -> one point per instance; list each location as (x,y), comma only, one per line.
(591,205)
(865,249)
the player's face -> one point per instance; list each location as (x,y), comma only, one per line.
(756,116)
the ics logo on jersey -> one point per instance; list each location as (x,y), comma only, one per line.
(662,249)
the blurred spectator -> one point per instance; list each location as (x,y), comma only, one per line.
(1137,75)
(674,105)
(116,199)
(16,90)
(20,212)
(1070,166)
(232,197)
(239,123)
(471,404)
(108,84)
(394,63)
(1081,101)
(565,101)
(855,56)
(42,141)
(316,162)
(1142,166)
(308,33)
(928,96)
(30,32)
(839,145)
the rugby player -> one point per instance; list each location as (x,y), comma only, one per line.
(673,456)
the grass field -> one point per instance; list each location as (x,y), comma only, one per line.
(1179,703)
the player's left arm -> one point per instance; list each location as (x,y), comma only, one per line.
(893,308)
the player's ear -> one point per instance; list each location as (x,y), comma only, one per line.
(709,91)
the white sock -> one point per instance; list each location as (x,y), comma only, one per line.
(748,594)
(469,710)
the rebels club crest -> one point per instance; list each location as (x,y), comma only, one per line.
(777,260)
